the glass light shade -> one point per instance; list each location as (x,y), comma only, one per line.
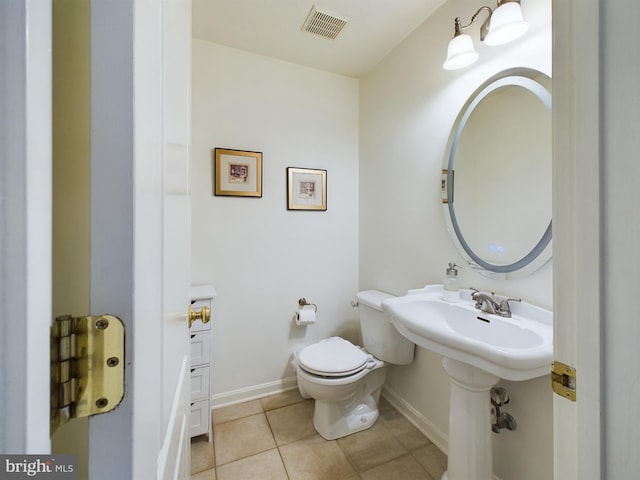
(506,24)
(460,52)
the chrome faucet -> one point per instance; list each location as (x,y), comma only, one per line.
(487,303)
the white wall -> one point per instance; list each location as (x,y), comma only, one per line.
(408,104)
(261,257)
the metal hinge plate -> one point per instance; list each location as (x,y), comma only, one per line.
(563,380)
(87,367)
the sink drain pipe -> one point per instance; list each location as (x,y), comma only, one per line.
(499,419)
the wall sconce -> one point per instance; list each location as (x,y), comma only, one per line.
(503,25)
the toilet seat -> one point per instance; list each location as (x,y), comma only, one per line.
(333,357)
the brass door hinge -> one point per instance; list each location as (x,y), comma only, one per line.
(563,380)
(87,367)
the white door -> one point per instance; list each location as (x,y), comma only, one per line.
(596,236)
(140,228)
(25,225)
(576,237)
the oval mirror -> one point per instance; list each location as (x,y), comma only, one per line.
(496,177)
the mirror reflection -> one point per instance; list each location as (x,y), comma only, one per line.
(498,174)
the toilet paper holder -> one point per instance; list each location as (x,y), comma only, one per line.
(303,303)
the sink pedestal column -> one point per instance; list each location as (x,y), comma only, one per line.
(470,442)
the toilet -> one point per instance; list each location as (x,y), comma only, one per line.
(345,380)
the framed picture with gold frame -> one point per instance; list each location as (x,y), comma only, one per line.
(306,189)
(238,173)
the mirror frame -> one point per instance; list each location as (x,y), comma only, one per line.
(542,251)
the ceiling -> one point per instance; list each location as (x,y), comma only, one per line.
(274,28)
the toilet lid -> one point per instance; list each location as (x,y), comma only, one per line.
(334,356)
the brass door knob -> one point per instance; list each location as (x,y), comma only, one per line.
(204,314)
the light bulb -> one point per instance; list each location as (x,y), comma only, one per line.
(506,24)
(460,52)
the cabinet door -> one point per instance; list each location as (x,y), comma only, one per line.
(200,348)
(199,383)
(199,418)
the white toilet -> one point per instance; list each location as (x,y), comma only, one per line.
(345,380)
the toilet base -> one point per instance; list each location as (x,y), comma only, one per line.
(332,422)
(344,405)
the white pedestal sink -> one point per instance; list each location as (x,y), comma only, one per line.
(479,349)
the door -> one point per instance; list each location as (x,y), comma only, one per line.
(139,229)
(578,288)
(25,225)
(596,236)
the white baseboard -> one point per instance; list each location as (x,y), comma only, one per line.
(252,393)
(433,433)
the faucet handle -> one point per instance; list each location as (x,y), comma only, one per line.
(475,291)
(505,308)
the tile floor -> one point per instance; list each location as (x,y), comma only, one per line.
(274,439)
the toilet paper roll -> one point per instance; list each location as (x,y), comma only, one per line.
(306,316)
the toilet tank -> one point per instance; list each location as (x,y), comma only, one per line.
(379,336)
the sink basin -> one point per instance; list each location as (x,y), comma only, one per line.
(517,348)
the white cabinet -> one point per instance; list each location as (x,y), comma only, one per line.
(201,296)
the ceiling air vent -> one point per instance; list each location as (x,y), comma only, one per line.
(324,23)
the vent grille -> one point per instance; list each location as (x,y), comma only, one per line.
(324,23)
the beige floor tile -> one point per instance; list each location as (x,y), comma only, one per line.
(264,466)
(292,423)
(241,438)
(403,430)
(274,439)
(384,405)
(372,447)
(432,459)
(314,458)
(233,412)
(405,468)
(205,475)
(201,454)
(281,400)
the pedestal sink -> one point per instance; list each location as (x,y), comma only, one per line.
(479,349)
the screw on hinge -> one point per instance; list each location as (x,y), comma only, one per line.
(113,361)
